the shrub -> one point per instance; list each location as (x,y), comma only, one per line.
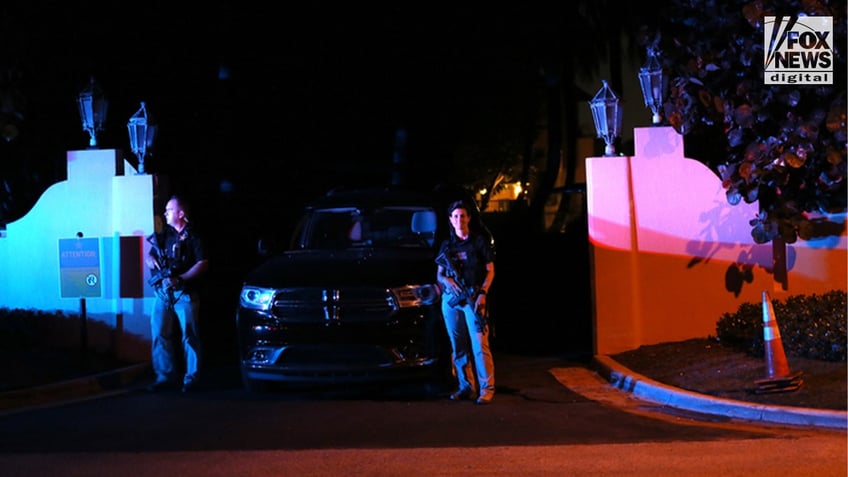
(25,328)
(810,326)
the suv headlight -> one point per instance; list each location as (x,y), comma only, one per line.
(256,298)
(415,295)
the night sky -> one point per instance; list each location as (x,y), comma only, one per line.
(272,86)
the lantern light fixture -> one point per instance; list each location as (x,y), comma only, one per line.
(142,134)
(653,84)
(92,108)
(607,114)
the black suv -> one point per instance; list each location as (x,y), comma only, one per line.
(353,298)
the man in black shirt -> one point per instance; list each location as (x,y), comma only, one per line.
(177,261)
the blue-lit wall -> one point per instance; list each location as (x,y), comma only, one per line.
(105,199)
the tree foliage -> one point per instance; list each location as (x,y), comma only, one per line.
(781,145)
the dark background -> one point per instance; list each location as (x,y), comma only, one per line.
(246,93)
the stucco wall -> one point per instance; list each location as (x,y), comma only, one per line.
(670,255)
(100,201)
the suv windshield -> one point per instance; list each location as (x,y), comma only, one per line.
(350,227)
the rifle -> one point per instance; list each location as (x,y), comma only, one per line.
(164,268)
(467,294)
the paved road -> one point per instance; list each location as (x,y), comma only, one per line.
(550,417)
(771,457)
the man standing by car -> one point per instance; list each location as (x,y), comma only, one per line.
(465,271)
(177,261)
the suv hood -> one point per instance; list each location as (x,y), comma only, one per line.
(351,267)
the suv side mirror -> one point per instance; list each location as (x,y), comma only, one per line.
(268,245)
(264,247)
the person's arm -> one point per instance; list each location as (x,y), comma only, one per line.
(195,271)
(490,276)
(200,265)
(446,281)
(482,294)
(152,261)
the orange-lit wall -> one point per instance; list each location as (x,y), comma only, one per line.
(670,256)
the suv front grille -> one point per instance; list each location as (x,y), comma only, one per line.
(316,304)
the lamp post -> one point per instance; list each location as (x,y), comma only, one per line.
(92,108)
(607,113)
(141,135)
(652,81)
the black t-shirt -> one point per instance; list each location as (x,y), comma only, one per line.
(178,251)
(469,257)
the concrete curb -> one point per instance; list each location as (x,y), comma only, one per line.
(647,389)
(126,379)
(107,383)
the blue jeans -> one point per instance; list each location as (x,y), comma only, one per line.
(472,358)
(185,310)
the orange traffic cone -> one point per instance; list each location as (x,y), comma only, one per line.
(779,378)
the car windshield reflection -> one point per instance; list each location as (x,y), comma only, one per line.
(385,227)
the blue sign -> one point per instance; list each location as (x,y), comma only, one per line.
(79,266)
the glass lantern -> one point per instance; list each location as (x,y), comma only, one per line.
(607,114)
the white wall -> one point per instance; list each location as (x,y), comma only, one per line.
(98,201)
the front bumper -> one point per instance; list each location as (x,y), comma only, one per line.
(409,344)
